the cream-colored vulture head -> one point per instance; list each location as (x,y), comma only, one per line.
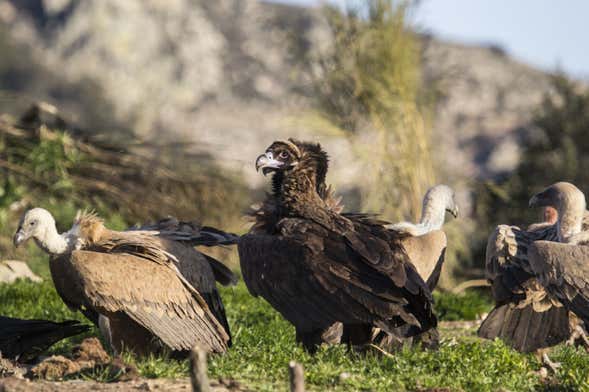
(570,206)
(437,201)
(38,224)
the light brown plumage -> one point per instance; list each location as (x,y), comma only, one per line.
(425,242)
(143,285)
(427,253)
(529,315)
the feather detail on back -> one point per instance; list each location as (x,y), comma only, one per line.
(265,215)
(89,227)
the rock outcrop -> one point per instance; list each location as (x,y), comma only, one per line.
(223,74)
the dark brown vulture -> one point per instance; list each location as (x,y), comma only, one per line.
(318,267)
(425,242)
(138,284)
(24,340)
(529,315)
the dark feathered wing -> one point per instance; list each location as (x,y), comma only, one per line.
(315,277)
(526,316)
(24,340)
(564,270)
(191,233)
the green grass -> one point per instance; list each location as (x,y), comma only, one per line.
(264,344)
(467,306)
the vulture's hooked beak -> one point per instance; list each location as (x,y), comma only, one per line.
(537,201)
(453,211)
(19,237)
(267,163)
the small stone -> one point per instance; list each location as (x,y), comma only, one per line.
(344,376)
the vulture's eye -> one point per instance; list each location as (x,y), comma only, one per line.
(283,154)
(32,223)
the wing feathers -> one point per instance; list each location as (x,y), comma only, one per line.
(165,299)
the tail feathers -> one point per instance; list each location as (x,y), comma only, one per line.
(24,340)
(222,273)
(525,329)
(218,237)
(213,300)
(189,232)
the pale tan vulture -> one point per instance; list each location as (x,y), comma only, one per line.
(145,289)
(425,242)
(529,316)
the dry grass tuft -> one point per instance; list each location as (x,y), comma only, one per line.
(369,85)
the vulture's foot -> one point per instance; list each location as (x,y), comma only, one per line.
(552,365)
(312,340)
(579,336)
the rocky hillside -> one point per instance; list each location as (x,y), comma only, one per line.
(224,75)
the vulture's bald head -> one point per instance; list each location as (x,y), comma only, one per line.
(561,196)
(34,223)
(570,205)
(440,198)
(437,201)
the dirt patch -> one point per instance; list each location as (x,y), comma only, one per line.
(89,356)
(13,384)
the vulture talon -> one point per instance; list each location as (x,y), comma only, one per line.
(554,366)
(579,333)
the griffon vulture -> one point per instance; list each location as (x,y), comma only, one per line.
(529,315)
(318,267)
(24,340)
(425,242)
(137,284)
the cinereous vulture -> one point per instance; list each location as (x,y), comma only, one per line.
(531,313)
(24,340)
(137,284)
(318,267)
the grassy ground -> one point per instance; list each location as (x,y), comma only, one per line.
(264,344)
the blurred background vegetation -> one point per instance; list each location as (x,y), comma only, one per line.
(556,149)
(367,87)
(370,79)
(47,163)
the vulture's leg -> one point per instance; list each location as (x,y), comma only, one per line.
(429,340)
(542,356)
(357,334)
(311,340)
(333,334)
(104,327)
(579,334)
(552,365)
(387,342)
